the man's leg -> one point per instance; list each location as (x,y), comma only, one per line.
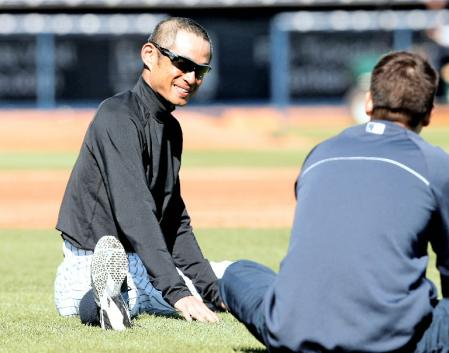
(219,267)
(73,287)
(436,337)
(143,296)
(88,310)
(74,294)
(109,270)
(72,280)
(243,288)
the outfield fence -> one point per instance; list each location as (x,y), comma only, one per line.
(49,60)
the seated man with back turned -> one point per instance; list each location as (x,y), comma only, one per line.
(126,230)
(369,201)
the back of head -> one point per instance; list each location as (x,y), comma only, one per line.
(165,32)
(403,87)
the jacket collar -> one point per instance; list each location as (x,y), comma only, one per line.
(154,102)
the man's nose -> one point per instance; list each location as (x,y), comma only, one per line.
(190,77)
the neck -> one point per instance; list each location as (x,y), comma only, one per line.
(146,77)
(416,129)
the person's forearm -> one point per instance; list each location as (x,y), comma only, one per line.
(445,286)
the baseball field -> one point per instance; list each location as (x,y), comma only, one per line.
(238,173)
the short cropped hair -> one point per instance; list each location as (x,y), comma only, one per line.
(403,87)
(165,31)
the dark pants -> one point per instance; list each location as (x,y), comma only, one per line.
(245,283)
(89,310)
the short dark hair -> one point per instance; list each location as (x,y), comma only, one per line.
(165,31)
(403,87)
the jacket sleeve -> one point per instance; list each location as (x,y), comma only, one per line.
(440,239)
(117,146)
(188,256)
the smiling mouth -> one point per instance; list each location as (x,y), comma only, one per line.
(183,91)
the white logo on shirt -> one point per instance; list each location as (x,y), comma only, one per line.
(375,128)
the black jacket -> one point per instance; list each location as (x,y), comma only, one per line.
(126,183)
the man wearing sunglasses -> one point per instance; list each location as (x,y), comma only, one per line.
(126,230)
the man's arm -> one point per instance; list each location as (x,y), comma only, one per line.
(187,253)
(440,236)
(116,145)
(445,285)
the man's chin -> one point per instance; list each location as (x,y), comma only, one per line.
(181,101)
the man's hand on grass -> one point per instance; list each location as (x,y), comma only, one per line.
(193,308)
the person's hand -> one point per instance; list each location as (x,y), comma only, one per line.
(223,306)
(193,308)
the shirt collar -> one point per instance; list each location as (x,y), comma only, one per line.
(153,101)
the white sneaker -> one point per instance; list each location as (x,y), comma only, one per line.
(108,273)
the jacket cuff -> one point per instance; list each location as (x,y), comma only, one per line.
(173,297)
(212,297)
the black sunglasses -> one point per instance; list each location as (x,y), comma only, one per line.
(182,63)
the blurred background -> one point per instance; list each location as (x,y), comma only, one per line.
(75,53)
(286,75)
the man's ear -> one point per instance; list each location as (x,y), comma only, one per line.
(148,55)
(368,104)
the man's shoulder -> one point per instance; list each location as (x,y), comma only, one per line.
(118,109)
(123,101)
(343,138)
(431,152)
(438,159)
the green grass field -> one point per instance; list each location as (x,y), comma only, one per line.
(30,323)
(268,158)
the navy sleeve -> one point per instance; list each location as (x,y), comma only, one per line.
(441,244)
(439,167)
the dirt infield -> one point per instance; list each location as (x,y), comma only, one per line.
(223,197)
(217,198)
